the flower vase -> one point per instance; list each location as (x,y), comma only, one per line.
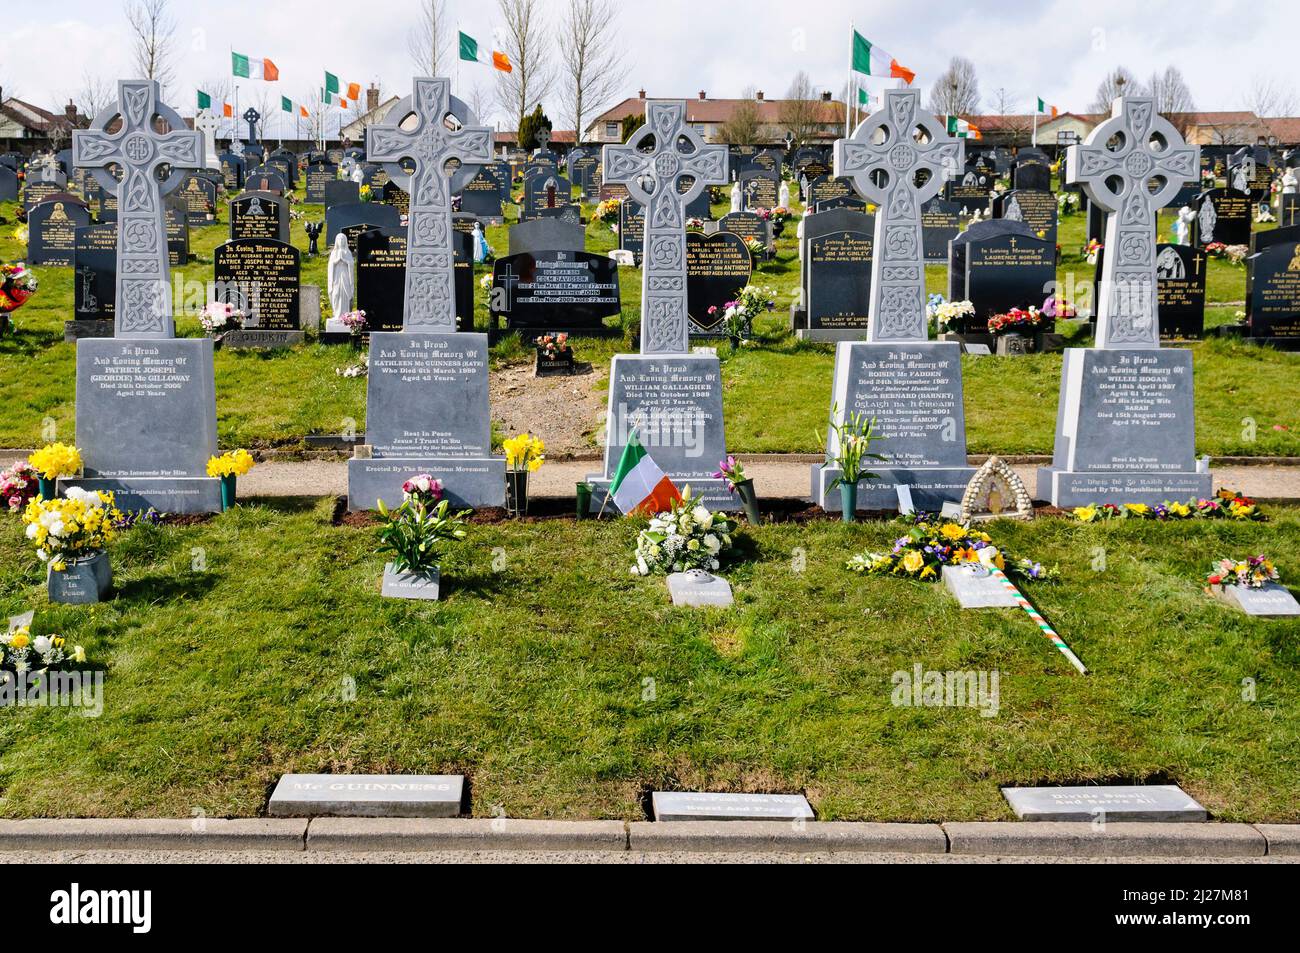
(848,502)
(228,491)
(778,227)
(584,501)
(517,492)
(749,499)
(46,487)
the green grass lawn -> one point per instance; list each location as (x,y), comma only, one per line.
(571,693)
(775,394)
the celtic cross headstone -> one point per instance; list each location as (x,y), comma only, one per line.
(252,117)
(140,150)
(898,158)
(206,125)
(1131,166)
(436,138)
(652,165)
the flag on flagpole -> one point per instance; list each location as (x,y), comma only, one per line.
(1043,109)
(961,128)
(871,60)
(469,52)
(638,484)
(354,91)
(286,104)
(253,67)
(331,84)
(227,111)
(205,101)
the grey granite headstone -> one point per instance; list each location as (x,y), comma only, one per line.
(704,806)
(974,588)
(367,795)
(546,234)
(1270,600)
(699,588)
(1126,802)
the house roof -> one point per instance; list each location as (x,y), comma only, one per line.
(720,110)
(358,124)
(1286,128)
(558,136)
(34,117)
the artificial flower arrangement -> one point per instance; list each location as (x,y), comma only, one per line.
(1055,307)
(551,346)
(1226,504)
(354,321)
(1092,250)
(19,485)
(688,536)
(219,316)
(231,463)
(930,544)
(738,315)
(20,651)
(414,534)
(1233,254)
(17,284)
(780,214)
(56,460)
(695,224)
(80,524)
(733,472)
(853,439)
(1253,572)
(756,251)
(606,212)
(1018,321)
(954,316)
(1067,203)
(366,193)
(424,488)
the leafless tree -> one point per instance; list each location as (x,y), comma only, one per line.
(1016,127)
(1002,102)
(1173,97)
(957,90)
(96,95)
(427,39)
(593,63)
(1118,82)
(801,111)
(479,101)
(523,39)
(1271,98)
(742,126)
(153,36)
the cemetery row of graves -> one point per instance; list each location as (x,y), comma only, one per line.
(415,627)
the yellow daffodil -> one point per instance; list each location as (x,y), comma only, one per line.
(1085,514)
(56,460)
(20,639)
(952,531)
(233,463)
(913,561)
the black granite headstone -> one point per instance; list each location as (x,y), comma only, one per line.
(940,224)
(348,217)
(52,237)
(262,278)
(341,192)
(839,279)
(718,266)
(259,215)
(319,176)
(1005,272)
(94,266)
(552,291)
(1222,215)
(1273,300)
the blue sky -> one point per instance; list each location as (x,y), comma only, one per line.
(1057,50)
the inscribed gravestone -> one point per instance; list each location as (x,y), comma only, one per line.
(1222,215)
(481,196)
(1273,305)
(259,215)
(261,277)
(631,227)
(319,176)
(1005,272)
(381,277)
(940,224)
(717,267)
(51,236)
(94,266)
(8,184)
(350,218)
(839,282)
(542,190)
(760,188)
(551,291)
(232,171)
(1035,208)
(546,235)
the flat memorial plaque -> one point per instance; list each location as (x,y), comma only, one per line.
(976,589)
(699,588)
(705,806)
(1271,600)
(368,795)
(1124,802)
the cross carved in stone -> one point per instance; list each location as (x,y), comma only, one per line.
(543,137)
(898,158)
(206,124)
(652,164)
(430,144)
(139,149)
(1132,165)
(252,117)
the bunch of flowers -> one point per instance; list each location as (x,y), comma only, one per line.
(1253,572)
(149,517)
(17,284)
(18,485)
(1226,504)
(21,233)
(853,438)
(781,214)
(80,524)
(1054,308)
(1067,203)
(354,321)
(218,316)
(524,453)
(56,460)
(947,315)
(1017,321)
(695,224)
(423,488)
(756,250)
(552,345)
(20,651)
(415,532)
(606,212)
(231,463)
(1092,250)
(367,193)
(1216,250)
(929,545)
(689,536)
(1236,254)
(731,470)
(739,315)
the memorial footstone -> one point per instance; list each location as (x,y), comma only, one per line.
(717,267)
(1125,421)
(367,795)
(259,215)
(1273,295)
(1119,803)
(974,588)
(357,216)
(262,278)
(51,232)
(897,159)
(1036,209)
(550,291)
(670,397)
(1222,215)
(146,402)
(940,224)
(1268,601)
(427,389)
(727,806)
(341,192)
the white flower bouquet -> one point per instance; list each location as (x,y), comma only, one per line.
(689,536)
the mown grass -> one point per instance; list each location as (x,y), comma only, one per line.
(775,394)
(564,687)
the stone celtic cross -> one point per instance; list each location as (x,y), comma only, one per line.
(144,304)
(430,144)
(206,123)
(673,151)
(1132,165)
(889,152)
(252,117)
(543,138)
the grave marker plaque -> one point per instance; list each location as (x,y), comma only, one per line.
(261,277)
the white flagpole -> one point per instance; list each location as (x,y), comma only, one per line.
(849,92)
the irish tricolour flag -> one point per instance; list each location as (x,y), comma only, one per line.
(871,60)
(639,485)
(253,67)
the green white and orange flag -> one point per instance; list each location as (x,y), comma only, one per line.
(252,67)
(961,128)
(1044,109)
(469,52)
(871,60)
(639,485)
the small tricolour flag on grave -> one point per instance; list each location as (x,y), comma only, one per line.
(871,60)
(1043,109)
(469,52)
(639,485)
(252,67)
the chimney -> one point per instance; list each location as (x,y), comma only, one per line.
(702,95)
(70,112)
(759,95)
(826,96)
(641,94)
(372,98)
